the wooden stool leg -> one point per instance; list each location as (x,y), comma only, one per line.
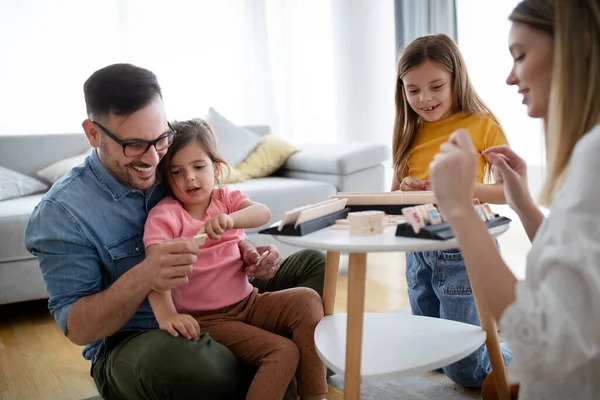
(492,343)
(332,267)
(357,271)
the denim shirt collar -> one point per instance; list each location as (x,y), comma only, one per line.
(116,189)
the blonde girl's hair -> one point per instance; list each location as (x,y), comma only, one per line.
(536,14)
(200,131)
(574,98)
(442,50)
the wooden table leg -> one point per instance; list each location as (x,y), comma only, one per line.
(357,271)
(332,266)
(492,343)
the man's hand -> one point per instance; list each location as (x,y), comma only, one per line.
(414,184)
(168,264)
(268,266)
(216,226)
(183,324)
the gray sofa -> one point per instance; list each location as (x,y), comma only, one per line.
(311,175)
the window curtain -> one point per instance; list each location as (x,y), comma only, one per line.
(415,18)
(315,70)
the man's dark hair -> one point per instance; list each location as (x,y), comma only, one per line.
(121,89)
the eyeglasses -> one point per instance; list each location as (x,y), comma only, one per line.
(138,147)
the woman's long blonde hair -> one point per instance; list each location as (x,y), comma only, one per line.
(441,50)
(575,95)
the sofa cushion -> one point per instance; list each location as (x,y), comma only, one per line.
(57,170)
(235,142)
(338,159)
(264,160)
(14,215)
(14,184)
(283,194)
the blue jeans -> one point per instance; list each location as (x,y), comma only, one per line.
(438,286)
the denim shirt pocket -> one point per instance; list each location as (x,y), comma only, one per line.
(451,273)
(125,254)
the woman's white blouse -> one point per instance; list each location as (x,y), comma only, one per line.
(553,327)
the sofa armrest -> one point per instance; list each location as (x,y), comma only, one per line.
(338,158)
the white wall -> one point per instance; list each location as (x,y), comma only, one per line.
(45,56)
(483,28)
(364,58)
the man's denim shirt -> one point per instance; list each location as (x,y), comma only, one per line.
(86,232)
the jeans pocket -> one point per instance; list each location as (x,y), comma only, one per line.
(412,267)
(451,274)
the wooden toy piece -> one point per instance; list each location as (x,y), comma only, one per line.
(262,257)
(391,220)
(480,212)
(366,222)
(434,216)
(341,224)
(386,198)
(413,218)
(199,239)
(387,220)
(423,197)
(489,214)
(364,198)
(292,215)
(341,227)
(422,211)
(320,210)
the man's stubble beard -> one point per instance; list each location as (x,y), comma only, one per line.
(122,176)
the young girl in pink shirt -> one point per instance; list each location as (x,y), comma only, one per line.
(218,299)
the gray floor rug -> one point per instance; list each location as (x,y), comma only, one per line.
(429,386)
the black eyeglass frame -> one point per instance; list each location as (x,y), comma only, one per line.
(149,143)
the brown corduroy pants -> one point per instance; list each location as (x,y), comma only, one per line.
(252,329)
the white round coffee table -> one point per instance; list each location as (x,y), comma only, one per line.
(381,346)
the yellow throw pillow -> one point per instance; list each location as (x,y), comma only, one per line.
(234,176)
(270,154)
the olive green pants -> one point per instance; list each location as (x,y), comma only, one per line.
(153,365)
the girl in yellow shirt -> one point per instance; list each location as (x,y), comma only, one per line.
(434,97)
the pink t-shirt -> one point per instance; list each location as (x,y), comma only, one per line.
(218,279)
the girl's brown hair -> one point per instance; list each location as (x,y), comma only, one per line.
(186,132)
(441,50)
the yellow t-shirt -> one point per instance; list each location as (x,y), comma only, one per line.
(483,129)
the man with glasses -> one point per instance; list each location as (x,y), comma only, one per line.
(87,234)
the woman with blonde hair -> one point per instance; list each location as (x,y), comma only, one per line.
(550,319)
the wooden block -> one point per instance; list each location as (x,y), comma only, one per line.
(489,214)
(366,222)
(341,227)
(292,215)
(386,198)
(413,198)
(262,257)
(199,239)
(320,211)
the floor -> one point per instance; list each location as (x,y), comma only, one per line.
(38,362)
